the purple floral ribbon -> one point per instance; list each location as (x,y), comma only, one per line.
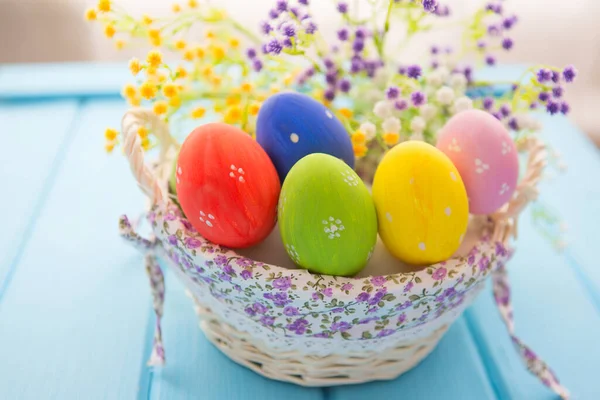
(534,364)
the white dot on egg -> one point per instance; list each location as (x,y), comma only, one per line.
(241,179)
(388,216)
(177,179)
(231,174)
(179,171)
(329,114)
(294,138)
(241,171)
(452,175)
(211,216)
(209,223)
(202,213)
(232,167)
(422,246)
(448,211)
(201,219)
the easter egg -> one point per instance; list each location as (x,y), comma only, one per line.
(421,203)
(227,186)
(486,158)
(327,217)
(290,126)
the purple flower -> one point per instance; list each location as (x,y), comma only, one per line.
(246,274)
(500,249)
(298,326)
(220,260)
(404,305)
(418,98)
(385,332)
(331,77)
(413,71)
(289,30)
(290,311)
(496,8)
(569,73)
(287,42)
(345,85)
(192,243)
(274,46)
(273,13)
(423,317)
(439,274)
(557,92)
(265,27)
(327,292)
(224,277)
(257,65)
(544,75)
(378,280)
(358,45)
(251,53)
(282,283)
(552,107)
(507,43)
(362,297)
(400,104)
(267,320)
(187,225)
(170,216)
(329,94)
(564,108)
(367,320)
(449,292)
(259,308)
(321,335)
(512,123)
(315,296)
(392,92)
(172,239)
(295,11)
(361,33)
(544,96)
(280,299)
(342,34)
(341,326)
(228,269)
(493,30)
(533,105)
(505,110)
(555,77)
(408,286)
(429,5)
(490,60)
(342,7)
(401,318)
(338,310)
(481,44)
(442,11)
(311,28)
(282,5)
(488,103)
(250,311)
(484,262)
(347,286)
(434,50)
(304,2)
(377,297)
(508,22)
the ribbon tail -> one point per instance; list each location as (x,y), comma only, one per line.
(534,364)
(157,286)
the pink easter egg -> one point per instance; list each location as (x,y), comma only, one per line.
(485,156)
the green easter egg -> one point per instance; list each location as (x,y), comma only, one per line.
(327,218)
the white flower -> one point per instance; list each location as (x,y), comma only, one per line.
(383,109)
(391,125)
(416,136)
(462,104)
(445,95)
(428,111)
(381,77)
(368,129)
(417,125)
(434,79)
(444,73)
(458,81)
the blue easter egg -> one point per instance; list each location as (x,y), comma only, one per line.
(292,125)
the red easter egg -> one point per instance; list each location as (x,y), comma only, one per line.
(227,186)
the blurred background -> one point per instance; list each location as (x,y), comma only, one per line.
(555,32)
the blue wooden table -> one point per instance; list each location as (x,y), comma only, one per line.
(75,308)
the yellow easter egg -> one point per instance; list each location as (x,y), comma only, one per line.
(421,203)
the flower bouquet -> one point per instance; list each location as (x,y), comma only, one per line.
(205,66)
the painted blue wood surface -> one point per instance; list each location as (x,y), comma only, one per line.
(75,317)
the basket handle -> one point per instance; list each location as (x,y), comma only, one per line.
(146,179)
(505,219)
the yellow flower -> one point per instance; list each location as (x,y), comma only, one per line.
(170,90)
(180,44)
(359,150)
(218,53)
(104,5)
(134,101)
(148,90)
(151,71)
(234,43)
(175,101)
(146,143)
(192,3)
(254,108)
(391,138)
(146,20)
(142,132)
(181,72)
(207,71)
(200,53)
(134,66)
(162,78)
(154,35)
(119,44)
(188,55)
(90,14)
(210,34)
(198,112)
(233,115)
(109,147)
(274,89)
(232,100)
(288,80)
(129,91)
(346,112)
(246,87)
(358,137)
(176,8)
(154,58)
(261,97)
(110,134)
(160,107)
(109,31)
(216,80)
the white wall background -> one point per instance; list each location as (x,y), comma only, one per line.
(557,32)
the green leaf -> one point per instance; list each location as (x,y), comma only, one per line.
(346,335)
(381,304)
(337,318)
(413,297)
(367,335)
(417,279)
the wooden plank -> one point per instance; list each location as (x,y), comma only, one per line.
(34,139)
(452,371)
(197,370)
(74,317)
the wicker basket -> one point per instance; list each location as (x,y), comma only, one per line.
(312,330)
